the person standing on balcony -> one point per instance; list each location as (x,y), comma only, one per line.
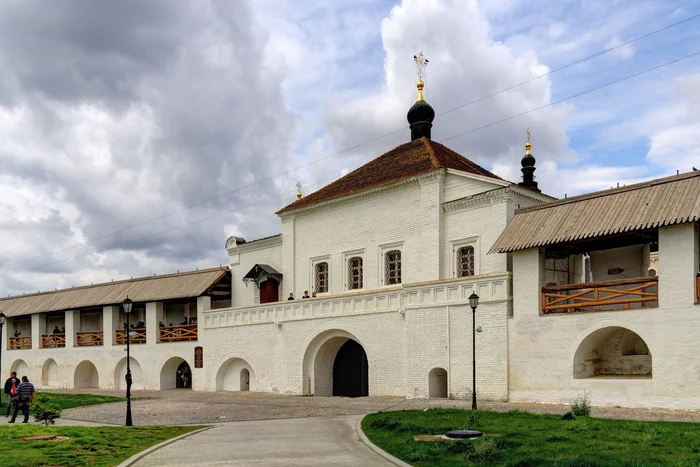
(10,391)
(25,391)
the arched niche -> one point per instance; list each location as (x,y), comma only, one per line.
(613,352)
(235,374)
(86,376)
(120,374)
(175,373)
(437,382)
(49,374)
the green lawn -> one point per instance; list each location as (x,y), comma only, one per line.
(99,446)
(68,401)
(533,440)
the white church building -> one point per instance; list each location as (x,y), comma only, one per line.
(391,252)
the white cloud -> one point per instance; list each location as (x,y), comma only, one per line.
(623,52)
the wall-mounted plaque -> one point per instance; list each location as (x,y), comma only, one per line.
(198,357)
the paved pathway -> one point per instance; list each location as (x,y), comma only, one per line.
(300,441)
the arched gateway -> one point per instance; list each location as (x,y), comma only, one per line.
(335,364)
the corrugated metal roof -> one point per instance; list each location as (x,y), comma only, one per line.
(142,289)
(652,204)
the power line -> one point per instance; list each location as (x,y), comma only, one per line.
(597,88)
(372,140)
(324,181)
(157,234)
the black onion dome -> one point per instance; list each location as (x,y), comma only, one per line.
(421,111)
(528,159)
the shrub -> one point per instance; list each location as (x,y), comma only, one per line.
(568,416)
(581,406)
(45,412)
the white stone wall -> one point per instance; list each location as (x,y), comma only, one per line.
(242,259)
(406,331)
(542,347)
(153,364)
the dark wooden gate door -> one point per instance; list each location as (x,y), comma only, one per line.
(350,371)
(269,291)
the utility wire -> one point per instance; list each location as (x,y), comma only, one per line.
(350,148)
(324,181)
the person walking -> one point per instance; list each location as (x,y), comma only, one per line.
(10,391)
(25,391)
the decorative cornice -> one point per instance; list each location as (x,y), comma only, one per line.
(261,244)
(488,198)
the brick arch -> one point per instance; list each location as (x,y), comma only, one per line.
(319,358)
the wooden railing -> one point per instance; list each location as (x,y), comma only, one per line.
(89,338)
(621,294)
(50,341)
(20,343)
(178,333)
(138,336)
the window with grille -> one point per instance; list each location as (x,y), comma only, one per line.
(465,261)
(392,267)
(556,268)
(321,273)
(355,273)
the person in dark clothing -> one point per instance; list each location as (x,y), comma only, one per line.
(56,330)
(184,322)
(13,380)
(291,296)
(306,294)
(25,391)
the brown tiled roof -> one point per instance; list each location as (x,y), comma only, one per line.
(408,160)
(648,205)
(141,289)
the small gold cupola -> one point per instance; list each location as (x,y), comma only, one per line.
(298,190)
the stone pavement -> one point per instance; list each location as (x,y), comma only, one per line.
(301,441)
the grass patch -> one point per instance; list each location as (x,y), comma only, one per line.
(69,401)
(530,439)
(99,446)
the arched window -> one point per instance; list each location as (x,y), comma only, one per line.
(355,273)
(465,261)
(392,267)
(321,277)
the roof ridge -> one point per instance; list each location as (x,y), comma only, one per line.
(123,281)
(431,153)
(612,191)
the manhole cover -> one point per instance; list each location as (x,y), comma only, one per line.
(463,434)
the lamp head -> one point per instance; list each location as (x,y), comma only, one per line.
(473,300)
(127,304)
(2,319)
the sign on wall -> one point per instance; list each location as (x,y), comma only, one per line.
(198,357)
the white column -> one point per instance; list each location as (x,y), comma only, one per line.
(431,214)
(678,265)
(199,374)
(154,314)
(109,314)
(37,329)
(528,279)
(288,260)
(72,322)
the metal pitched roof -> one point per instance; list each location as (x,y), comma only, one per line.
(647,205)
(142,289)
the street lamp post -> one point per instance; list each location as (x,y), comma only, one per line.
(126,305)
(473,303)
(2,344)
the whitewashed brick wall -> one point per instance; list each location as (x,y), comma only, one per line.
(542,348)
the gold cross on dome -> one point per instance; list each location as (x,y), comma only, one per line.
(421,63)
(298,190)
(528,134)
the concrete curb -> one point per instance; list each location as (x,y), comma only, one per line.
(139,455)
(365,440)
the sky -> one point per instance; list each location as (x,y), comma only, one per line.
(135,137)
